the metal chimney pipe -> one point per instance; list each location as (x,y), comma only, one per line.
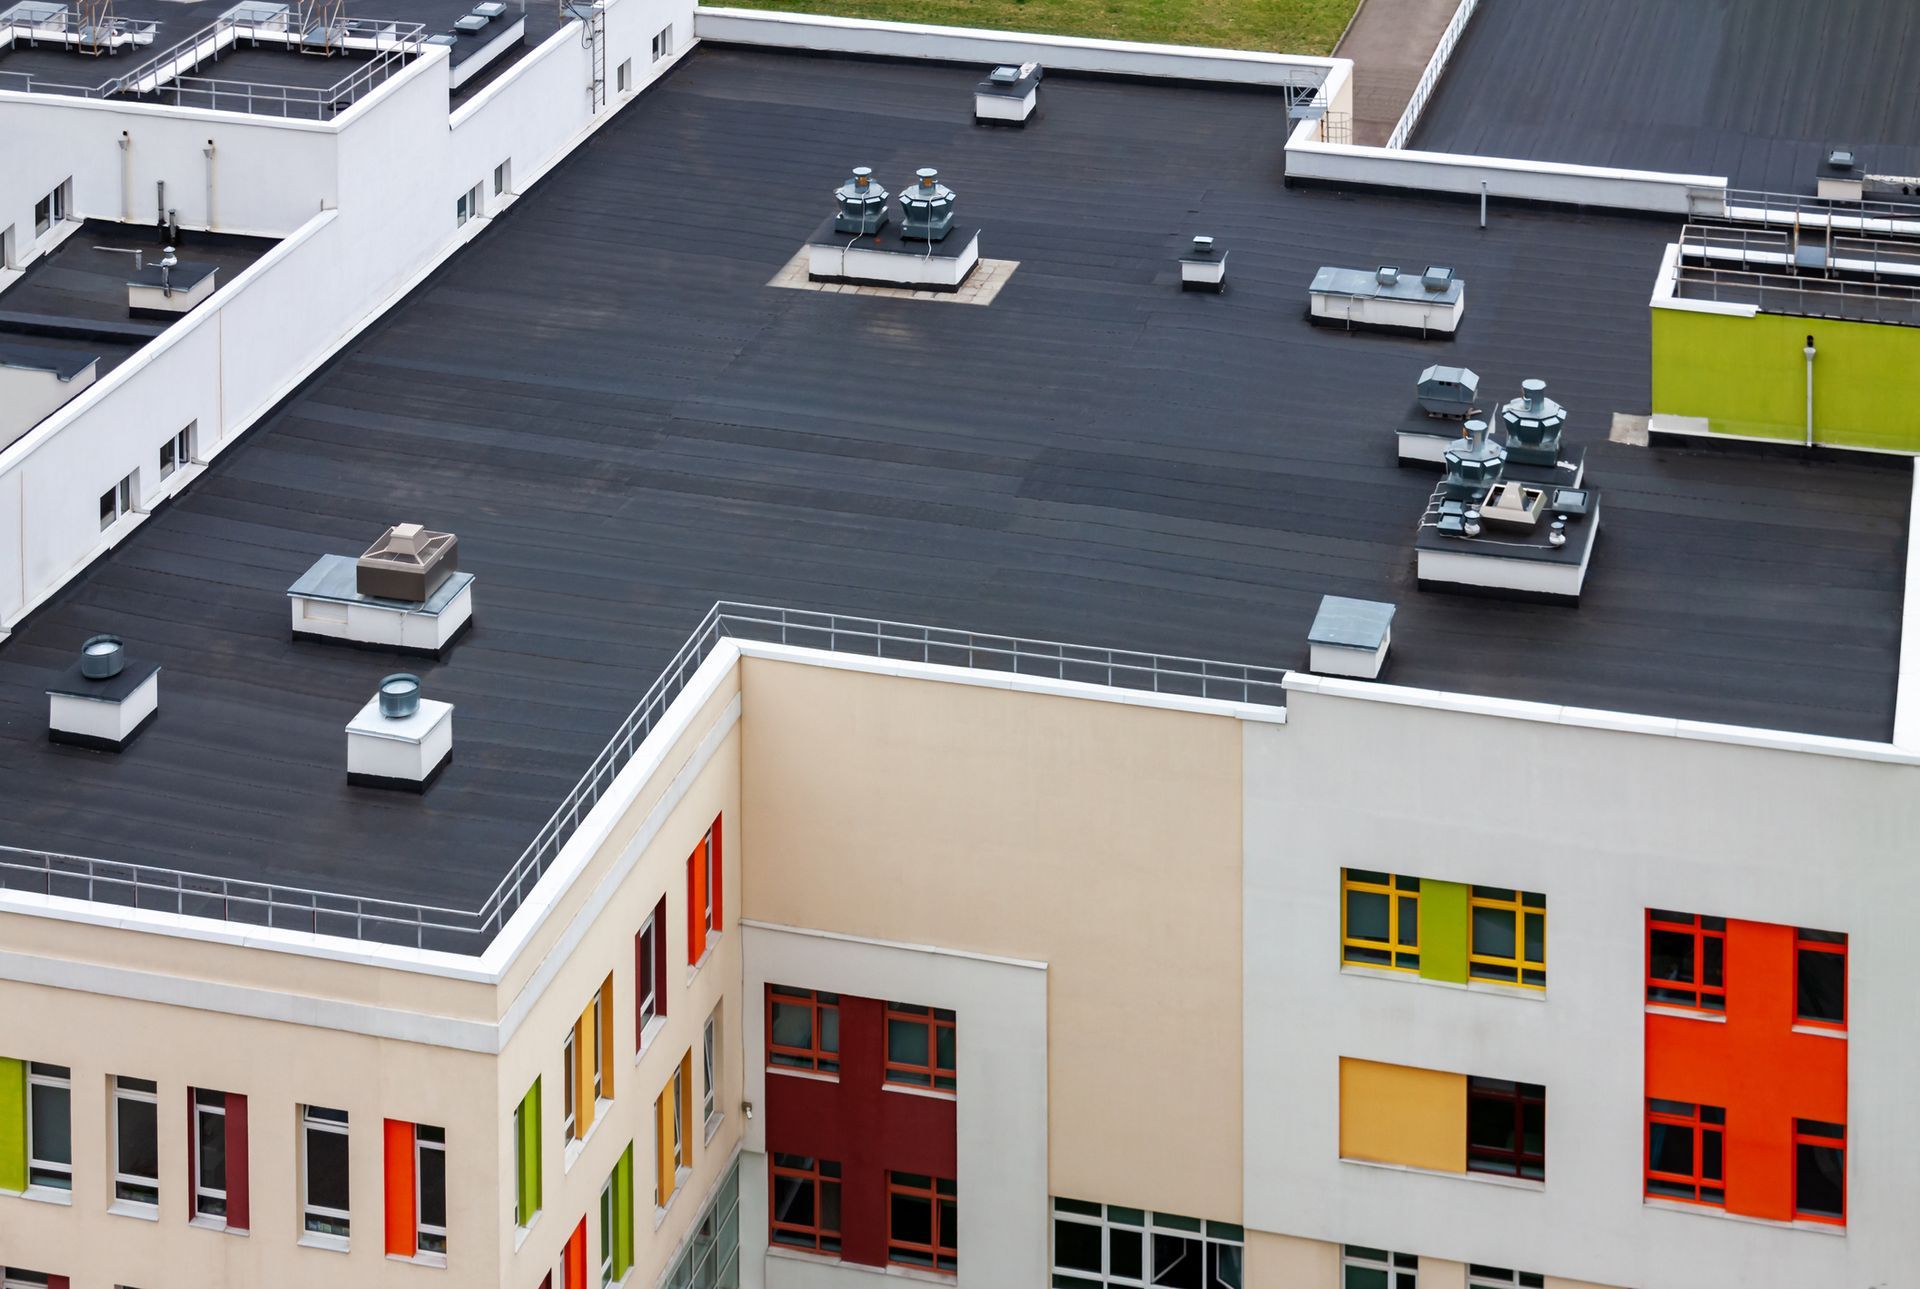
(1809,352)
(160,200)
(1535,393)
(1476,433)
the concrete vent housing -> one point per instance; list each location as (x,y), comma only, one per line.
(1350,637)
(398,739)
(103,700)
(405,593)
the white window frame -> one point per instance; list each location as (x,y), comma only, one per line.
(8,252)
(1501,1278)
(122,1094)
(309,1211)
(429,1239)
(649,960)
(599,1056)
(1204,1240)
(680,1152)
(1350,1259)
(502,177)
(606,1233)
(569,1112)
(623,76)
(117,502)
(179,448)
(202,1191)
(710,1070)
(469,206)
(40,1076)
(663,42)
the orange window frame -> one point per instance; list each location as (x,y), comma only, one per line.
(1808,1132)
(1698,1122)
(940,1256)
(1805,941)
(819,1174)
(706,879)
(1705,996)
(932,1075)
(815,1056)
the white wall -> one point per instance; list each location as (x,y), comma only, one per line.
(1001,1010)
(1615,823)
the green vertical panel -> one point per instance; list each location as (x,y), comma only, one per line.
(1443,930)
(623,1213)
(13,1125)
(529,1127)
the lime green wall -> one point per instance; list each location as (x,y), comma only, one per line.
(13,1125)
(1748,376)
(1443,930)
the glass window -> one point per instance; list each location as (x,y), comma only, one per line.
(1820,1170)
(324,1204)
(606,1233)
(922,1222)
(49,1126)
(430,1172)
(646,954)
(803,1030)
(1509,937)
(1686,960)
(920,1046)
(710,1071)
(1820,978)
(210,1154)
(1685,1155)
(1364,1268)
(804,1212)
(136,1137)
(1506,1128)
(1108,1245)
(1479,1277)
(1379,920)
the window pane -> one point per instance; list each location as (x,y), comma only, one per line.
(1819,1186)
(792,1025)
(1823,986)
(1224,1260)
(1489,1123)
(1076,1246)
(52,1125)
(1710,1156)
(1671,954)
(139,1138)
(793,1200)
(1493,932)
(829,1029)
(1713,955)
(1364,1278)
(911,1220)
(1536,938)
(907,1042)
(327,1169)
(1366,916)
(433,1187)
(945,1041)
(1125,1253)
(1670,1149)
(213,1151)
(1177,1261)
(830,1206)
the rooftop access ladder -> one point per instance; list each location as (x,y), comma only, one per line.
(593,38)
(323,28)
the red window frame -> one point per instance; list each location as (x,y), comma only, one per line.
(1705,1188)
(1810,1132)
(932,1075)
(1516,1161)
(649,962)
(939,1255)
(1834,942)
(815,1057)
(705,878)
(819,1174)
(1704,997)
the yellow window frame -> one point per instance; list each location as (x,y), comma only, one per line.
(1519,909)
(1401,948)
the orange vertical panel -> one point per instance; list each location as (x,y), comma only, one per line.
(697,903)
(576,1257)
(582,1073)
(606,1039)
(402,1229)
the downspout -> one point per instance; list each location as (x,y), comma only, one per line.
(208,150)
(126,177)
(1809,352)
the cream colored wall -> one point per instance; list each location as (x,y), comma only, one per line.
(1287,1262)
(1099,838)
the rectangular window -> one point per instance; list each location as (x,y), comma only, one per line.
(671,1110)
(118,500)
(430,1196)
(710,1073)
(663,43)
(606,1233)
(52,208)
(623,76)
(589,1075)
(176,452)
(1686,960)
(1509,937)
(502,175)
(526,1157)
(217,1158)
(468,207)
(1379,919)
(804,1212)
(570,1086)
(1506,1128)
(1364,1268)
(803,1030)
(50,1126)
(649,972)
(703,895)
(1479,1277)
(1820,1171)
(1820,978)
(136,1141)
(1096,1246)
(323,1199)
(920,1046)
(923,1226)
(1685,1152)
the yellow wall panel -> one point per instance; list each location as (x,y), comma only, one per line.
(1396,1114)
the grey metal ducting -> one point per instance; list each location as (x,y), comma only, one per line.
(863,204)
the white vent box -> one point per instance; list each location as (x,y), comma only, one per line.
(159,291)
(104,713)
(405,752)
(888,259)
(1203,267)
(1385,298)
(327,605)
(1008,95)
(1350,637)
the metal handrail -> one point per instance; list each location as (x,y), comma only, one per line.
(1878,278)
(1430,77)
(429,926)
(1895,217)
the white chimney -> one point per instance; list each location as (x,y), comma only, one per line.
(102,701)
(1350,637)
(399,739)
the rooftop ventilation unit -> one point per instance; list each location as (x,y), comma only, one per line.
(1448,392)
(1203,267)
(170,286)
(102,701)
(1008,96)
(1474,464)
(408,562)
(399,739)
(1387,275)
(926,209)
(1388,299)
(1533,423)
(1350,637)
(405,593)
(1840,177)
(863,204)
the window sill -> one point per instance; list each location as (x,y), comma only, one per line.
(1485,1179)
(520,1233)
(1532,993)
(48,1195)
(815,1075)
(681,1176)
(135,1209)
(713,943)
(1709,1210)
(422,1259)
(578,1146)
(921,1274)
(214,1224)
(908,1090)
(321,1240)
(1821,1031)
(647,1035)
(712,1126)
(1686,1013)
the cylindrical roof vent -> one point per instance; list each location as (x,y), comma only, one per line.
(863,204)
(1474,463)
(102,657)
(1533,422)
(399,695)
(926,209)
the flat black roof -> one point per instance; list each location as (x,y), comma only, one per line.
(623,423)
(1756,90)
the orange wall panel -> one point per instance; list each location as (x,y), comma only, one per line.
(401,1227)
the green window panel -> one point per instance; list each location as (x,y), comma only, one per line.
(526,1122)
(13,1125)
(1443,930)
(623,1214)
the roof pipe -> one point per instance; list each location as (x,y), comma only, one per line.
(1809,352)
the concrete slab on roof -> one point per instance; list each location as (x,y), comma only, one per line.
(624,422)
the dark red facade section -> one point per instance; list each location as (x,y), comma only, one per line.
(861,1124)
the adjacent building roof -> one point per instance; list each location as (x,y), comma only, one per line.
(623,422)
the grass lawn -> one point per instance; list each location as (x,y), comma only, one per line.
(1285,26)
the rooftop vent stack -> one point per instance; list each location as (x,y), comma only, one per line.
(1004,75)
(1387,275)
(863,204)
(407,563)
(1203,267)
(1448,391)
(1474,464)
(1533,423)
(1350,637)
(926,209)
(103,700)
(399,739)
(168,262)
(1438,277)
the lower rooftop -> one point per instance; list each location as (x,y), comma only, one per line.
(623,422)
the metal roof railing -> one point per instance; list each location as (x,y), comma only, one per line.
(1806,272)
(426,926)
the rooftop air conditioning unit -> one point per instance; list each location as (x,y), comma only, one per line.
(407,563)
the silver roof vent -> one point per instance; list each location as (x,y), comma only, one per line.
(399,739)
(1474,463)
(1387,275)
(926,209)
(863,204)
(1448,391)
(103,699)
(1533,423)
